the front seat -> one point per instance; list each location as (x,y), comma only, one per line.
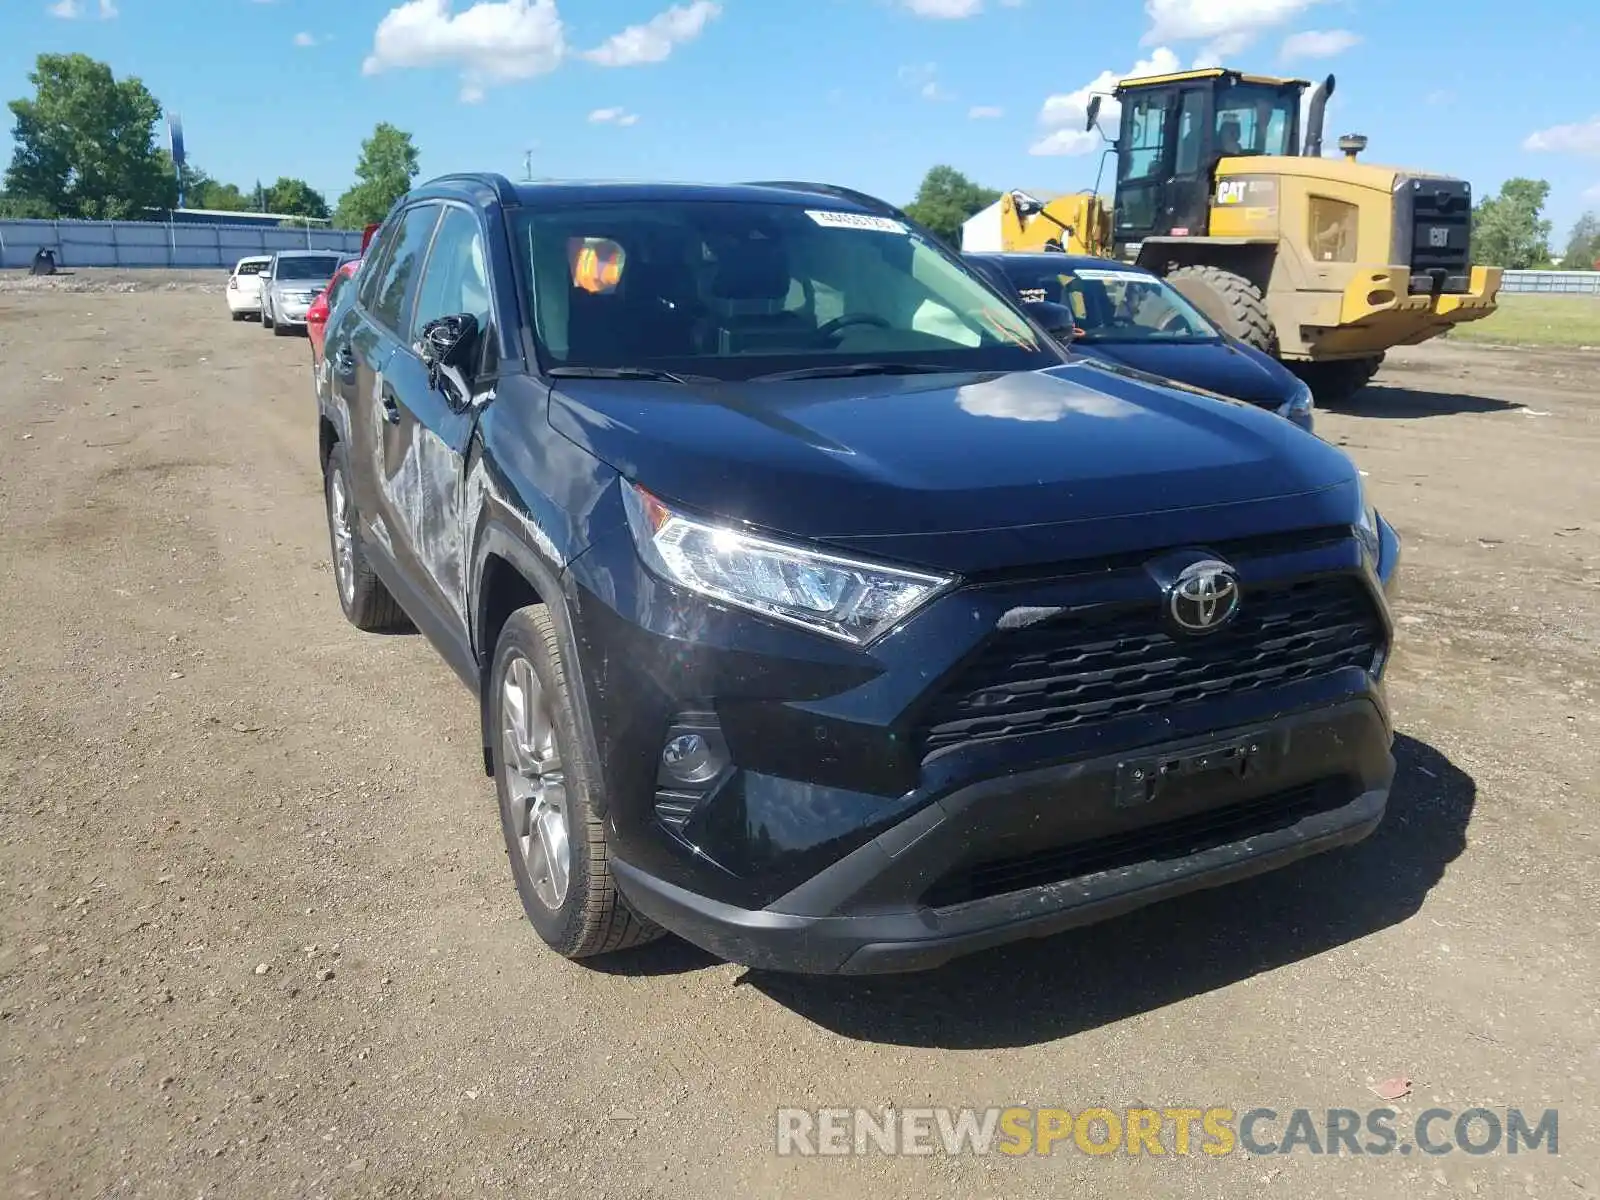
(749,289)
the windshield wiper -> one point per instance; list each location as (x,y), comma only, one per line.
(843,370)
(645,373)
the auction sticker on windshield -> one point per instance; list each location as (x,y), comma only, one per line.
(845,220)
(1112,273)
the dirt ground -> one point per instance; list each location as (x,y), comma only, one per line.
(258,937)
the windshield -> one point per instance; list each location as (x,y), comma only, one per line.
(733,290)
(311,266)
(1113,304)
(1257,118)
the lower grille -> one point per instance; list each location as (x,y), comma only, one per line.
(1107,663)
(1156,843)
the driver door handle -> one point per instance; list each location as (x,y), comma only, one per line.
(391,404)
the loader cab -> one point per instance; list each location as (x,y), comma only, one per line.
(1176,128)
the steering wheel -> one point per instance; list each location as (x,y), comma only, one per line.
(830,329)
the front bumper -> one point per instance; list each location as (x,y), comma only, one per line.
(880,908)
(1382,307)
(849,817)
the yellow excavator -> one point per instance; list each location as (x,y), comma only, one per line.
(1324,262)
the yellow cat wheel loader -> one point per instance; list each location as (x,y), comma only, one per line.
(1324,262)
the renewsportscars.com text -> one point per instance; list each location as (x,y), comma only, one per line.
(1162,1131)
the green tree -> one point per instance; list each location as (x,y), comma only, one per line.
(384,174)
(1508,230)
(23,207)
(1583,244)
(946,199)
(85,143)
(297,198)
(223,197)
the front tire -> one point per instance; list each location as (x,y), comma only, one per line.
(546,783)
(266,318)
(1230,300)
(367,604)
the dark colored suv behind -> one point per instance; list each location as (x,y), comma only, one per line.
(822,610)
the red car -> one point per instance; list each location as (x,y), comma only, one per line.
(317,314)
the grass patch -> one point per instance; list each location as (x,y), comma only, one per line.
(1524,320)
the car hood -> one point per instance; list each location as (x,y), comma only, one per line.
(966,472)
(1236,371)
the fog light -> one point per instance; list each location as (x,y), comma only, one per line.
(694,760)
(688,759)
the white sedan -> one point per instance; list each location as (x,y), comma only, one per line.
(244,286)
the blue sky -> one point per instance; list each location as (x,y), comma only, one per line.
(868,93)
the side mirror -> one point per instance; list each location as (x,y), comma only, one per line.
(446,348)
(1057,319)
(1026,205)
(448,341)
(1094,114)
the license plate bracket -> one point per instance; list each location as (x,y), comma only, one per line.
(1142,780)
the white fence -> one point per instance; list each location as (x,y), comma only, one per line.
(151,244)
(1553,283)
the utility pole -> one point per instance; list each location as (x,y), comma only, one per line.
(527,165)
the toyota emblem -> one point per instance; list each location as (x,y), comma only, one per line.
(1204,597)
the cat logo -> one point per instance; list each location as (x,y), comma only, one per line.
(1231,191)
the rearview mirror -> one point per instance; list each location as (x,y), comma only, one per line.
(1094,114)
(1057,319)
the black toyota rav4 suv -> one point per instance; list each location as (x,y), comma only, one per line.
(822,609)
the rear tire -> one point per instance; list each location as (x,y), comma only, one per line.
(1230,300)
(238,316)
(367,604)
(546,783)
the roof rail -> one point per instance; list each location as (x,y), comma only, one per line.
(870,203)
(502,187)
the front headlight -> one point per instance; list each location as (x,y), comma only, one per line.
(1300,405)
(845,598)
(1367,524)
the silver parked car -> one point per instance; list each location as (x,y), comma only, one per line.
(290,283)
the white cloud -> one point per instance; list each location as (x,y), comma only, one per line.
(1580,138)
(305,39)
(1063,115)
(985,112)
(489,42)
(654,40)
(943,10)
(613,116)
(1220,22)
(923,79)
(1592,193)
(1318,43)
(72,10)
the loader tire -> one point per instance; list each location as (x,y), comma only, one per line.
(1230,300)
(1334,384)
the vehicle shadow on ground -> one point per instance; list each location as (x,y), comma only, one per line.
(1039,991)
(1387,400)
